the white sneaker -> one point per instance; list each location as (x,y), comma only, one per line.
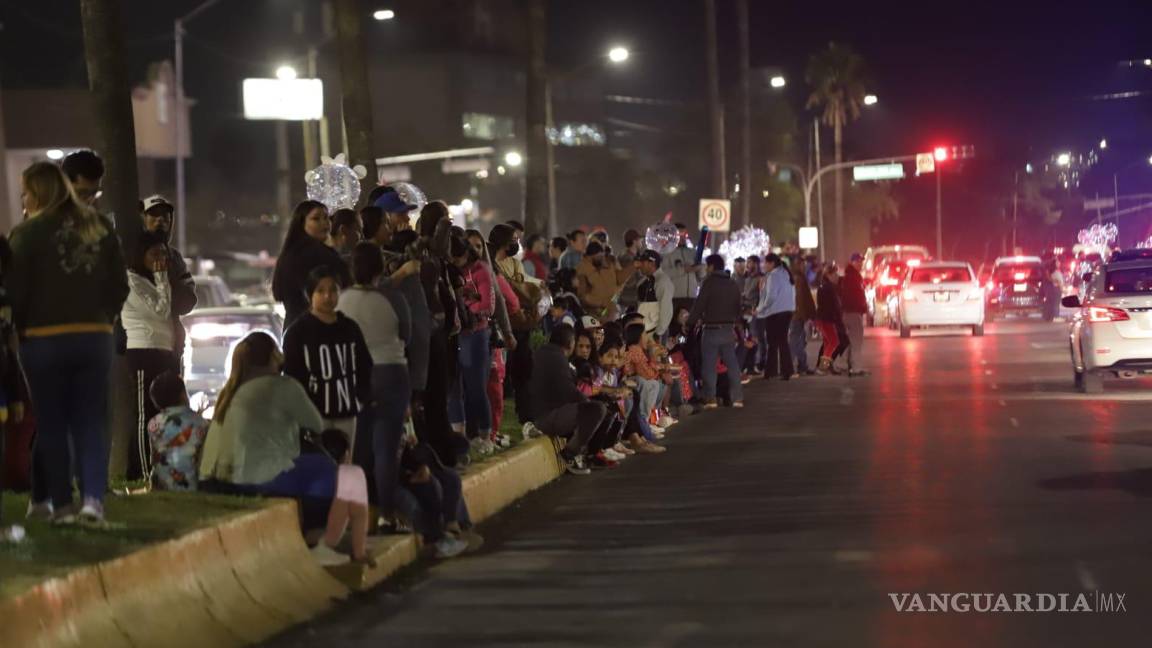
(326,556)
(450,547)
(530,431)
(40,510)
(609,453)
(667,421)
(657,429)
(620,448)
(481,446)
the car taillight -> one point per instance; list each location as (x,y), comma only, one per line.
(1102,314)
(1020,276)
(909,294)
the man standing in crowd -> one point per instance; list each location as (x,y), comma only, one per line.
(655,294)
(718,307)
(804,313)
(560,410)
(158,215)
(750,296)
(855,305)
(535,249)
(85,170)
(556,250)
(680,266)
(577,241)
(595,281)
(738,273)
(398,212)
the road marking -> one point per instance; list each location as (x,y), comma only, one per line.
(1048,345)
(995,386)
(983,361)
(1015,423)
(1087,580)
(852,556)
(847,395)
(789,435)
(987,372)
(1003,403)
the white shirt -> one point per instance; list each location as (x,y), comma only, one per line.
(147,313)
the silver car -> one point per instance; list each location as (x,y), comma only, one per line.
(212,333)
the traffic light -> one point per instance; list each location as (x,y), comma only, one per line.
(940,153)
(946,153)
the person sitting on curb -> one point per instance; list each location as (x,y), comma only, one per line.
(560,410)
(175,435)
(254,448)
(431,497)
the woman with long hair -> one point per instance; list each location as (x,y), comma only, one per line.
(305,249)
(253,448)
(68,282)
(468,402)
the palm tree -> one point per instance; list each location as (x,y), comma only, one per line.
(837,77)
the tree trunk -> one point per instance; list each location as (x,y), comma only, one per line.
(746,191)
(536,199)
(839,240)
(112,101)
(357,92)
(715,109)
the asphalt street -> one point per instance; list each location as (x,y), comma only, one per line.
(960,465)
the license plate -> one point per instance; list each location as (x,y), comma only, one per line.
(1020,288)
(941,296)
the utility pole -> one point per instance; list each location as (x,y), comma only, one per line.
(939,216)
(819,192)
(538,163)
(745,115)
(112,97)
(357,98)
(715,109)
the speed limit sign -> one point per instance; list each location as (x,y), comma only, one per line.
(716,214)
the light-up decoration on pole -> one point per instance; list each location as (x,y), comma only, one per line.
(743,243)
(334,183)
(1098,238)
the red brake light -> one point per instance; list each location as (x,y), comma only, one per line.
(1020,276)
(1102,314)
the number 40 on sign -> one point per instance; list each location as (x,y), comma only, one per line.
(716,214)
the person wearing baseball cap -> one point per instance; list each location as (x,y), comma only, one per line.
(157,215)
(655,293)
(395,209)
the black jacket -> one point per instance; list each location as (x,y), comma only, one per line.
(852,296)
(719,301)
(553,381)
(292,270)
(332,362)
(828,303)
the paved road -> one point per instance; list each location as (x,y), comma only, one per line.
(961,465)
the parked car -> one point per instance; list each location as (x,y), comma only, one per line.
(212,292)
(938,294)
(1111,332)
(212,333)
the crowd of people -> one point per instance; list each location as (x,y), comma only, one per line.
(405,337)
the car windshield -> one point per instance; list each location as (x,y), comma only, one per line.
(941,275)
(1010,273)
(1129,280)
(224,330)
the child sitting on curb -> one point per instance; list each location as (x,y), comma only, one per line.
(176,435)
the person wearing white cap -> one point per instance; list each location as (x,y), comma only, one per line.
(158,215)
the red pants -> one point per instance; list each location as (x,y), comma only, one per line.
(831,339)
(496,388)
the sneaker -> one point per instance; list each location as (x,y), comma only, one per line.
(482,446)
(738,404)
(42,511)
(92,512)
(623,449)
(600,460)
(450,547)
(576,466)
(657,429)
(795,375)
(710,405)
(745,380)
(611,453)
(474,540)
(501,440)
(667,421)
(650,448)
(326,556)
(530,431)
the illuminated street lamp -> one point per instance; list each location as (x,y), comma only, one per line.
(1103,144)
(778,82)
(1064,159)
(384,14)
(286,73)
(513,159)
(54,154)
(870,100)
(618,54)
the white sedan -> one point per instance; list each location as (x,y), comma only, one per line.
(940,293)
(1111,333)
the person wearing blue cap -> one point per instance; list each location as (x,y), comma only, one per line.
(396,209)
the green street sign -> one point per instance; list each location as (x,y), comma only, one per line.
(869,172)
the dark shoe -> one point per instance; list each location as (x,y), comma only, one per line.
(576,466)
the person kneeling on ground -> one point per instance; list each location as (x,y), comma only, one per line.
(254,448)
(176,435)
(560,410)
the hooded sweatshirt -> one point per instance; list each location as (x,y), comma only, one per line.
(332,362)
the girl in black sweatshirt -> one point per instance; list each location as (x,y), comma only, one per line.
(325,351)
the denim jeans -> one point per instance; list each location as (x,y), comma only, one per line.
(720,342)
(469,399)
(438,502)
(798,343)
(760,335)
(380,431)
(67,375)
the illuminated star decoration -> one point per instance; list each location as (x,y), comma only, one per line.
(662,237)
(743,243)
(1098,238)
(334,183)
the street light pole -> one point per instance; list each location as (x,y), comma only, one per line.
(836,166)
(939,216)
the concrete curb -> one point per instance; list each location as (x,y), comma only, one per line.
(230,585)
(489,487)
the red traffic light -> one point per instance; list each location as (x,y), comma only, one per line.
(940,153)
